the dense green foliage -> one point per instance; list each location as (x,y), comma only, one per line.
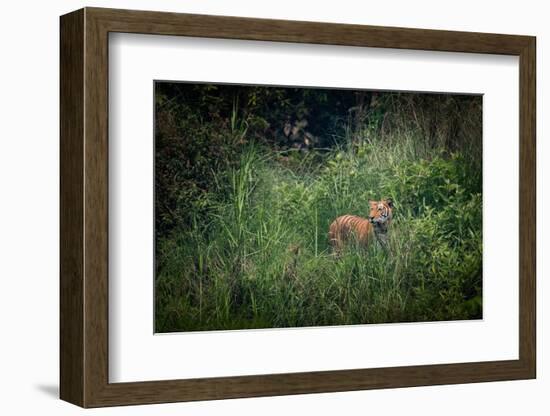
(243,208)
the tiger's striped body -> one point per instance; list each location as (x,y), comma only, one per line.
(360,230)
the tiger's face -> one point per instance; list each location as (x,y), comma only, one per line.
(380,211)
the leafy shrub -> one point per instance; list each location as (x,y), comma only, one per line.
(259,255)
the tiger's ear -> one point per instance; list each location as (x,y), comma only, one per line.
(389,202)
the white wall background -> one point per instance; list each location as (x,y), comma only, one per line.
(29,160)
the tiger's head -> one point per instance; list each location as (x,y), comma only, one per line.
(381,211)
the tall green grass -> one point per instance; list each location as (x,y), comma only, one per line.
(257,254)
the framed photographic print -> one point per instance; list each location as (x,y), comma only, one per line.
(255,207)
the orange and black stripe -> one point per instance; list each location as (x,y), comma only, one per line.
(347,227)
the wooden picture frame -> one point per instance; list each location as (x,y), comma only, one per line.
(84,207)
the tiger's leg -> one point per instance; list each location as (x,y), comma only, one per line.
(335,239)
(382,239)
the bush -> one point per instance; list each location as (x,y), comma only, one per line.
(256,254)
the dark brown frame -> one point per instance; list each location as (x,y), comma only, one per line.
(84,209)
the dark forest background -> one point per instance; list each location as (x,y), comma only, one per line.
(248,178)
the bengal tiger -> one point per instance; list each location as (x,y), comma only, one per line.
(351,227)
